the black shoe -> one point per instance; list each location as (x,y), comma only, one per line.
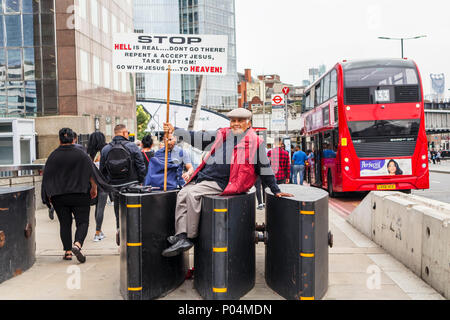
(118,237)
(77,252)
(51,213)
(180,246)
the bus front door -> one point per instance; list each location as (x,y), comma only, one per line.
(317,145)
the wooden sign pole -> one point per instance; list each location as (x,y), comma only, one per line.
(166,135)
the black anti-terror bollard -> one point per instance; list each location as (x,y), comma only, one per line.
(146,220)
(224,252)
(17,226)
(297,243)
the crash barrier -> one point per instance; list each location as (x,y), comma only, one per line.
(17,236)
(224,252)
(24,175)
(297,241)
(413,229)
(146,220)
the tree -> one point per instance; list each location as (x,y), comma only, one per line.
(143,118)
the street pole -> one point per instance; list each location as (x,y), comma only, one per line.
(402,40)
(403,56)
(286,113)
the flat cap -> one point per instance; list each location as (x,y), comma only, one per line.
(240,113)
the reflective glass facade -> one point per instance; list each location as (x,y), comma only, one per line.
(157,16)
(27,43)
(189,17)
(211,17)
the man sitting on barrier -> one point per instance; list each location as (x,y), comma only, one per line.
(236,157)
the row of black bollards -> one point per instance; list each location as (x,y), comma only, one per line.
(296,238)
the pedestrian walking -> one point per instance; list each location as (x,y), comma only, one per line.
(230,167)
(260,194)
(122,164)
(299,160)
(147,151)
(97,142)
(68,184)
(438,157)
(280,162)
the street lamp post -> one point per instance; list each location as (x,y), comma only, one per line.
(401,40)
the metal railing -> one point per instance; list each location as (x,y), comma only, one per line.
(7,172)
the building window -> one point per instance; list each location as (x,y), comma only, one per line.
(96,70)
(106,74)
(82,8)
(84,63)
(94,13)
(105,20)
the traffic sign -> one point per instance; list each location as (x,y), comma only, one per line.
(277,100)
(286,91)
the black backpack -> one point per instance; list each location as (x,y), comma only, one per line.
(119,164)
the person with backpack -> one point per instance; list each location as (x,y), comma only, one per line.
(178,159)
(122,163)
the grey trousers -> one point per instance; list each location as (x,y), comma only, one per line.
(189,206)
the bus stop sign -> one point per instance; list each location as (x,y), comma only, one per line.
(286,91)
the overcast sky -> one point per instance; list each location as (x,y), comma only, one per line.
(287,37)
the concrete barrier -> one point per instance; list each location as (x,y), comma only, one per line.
(413,229)
(436,251)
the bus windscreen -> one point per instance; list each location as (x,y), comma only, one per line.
(374,85)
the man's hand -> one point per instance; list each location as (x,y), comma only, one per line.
(168,128)
(93,192)
(282,194)
(187,175)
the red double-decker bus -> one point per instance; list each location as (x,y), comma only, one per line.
(364,121)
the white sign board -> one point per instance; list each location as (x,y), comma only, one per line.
(278,118)
(278,100)
(185,54)
(387,167)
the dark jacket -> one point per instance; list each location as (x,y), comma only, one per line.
(67,171)
(139,172)
(217,166)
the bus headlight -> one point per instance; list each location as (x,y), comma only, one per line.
(424,165)
(424,157)
(346,160)
(347,168)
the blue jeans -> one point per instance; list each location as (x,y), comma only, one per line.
(298,169)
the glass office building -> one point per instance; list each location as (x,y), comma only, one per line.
(157,16)
(190,17)
(27,44)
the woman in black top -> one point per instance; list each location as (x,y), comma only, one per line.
(68,183)
(147,152)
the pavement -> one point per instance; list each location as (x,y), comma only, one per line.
(358,269)
(443,167)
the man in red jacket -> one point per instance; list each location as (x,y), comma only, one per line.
(237,156)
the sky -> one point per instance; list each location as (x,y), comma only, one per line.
(287,37)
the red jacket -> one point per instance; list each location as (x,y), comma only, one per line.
(242,170)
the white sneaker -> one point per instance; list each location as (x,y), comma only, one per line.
(260,206)
(102,235)
(97,238)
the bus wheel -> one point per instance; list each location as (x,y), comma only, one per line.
(330,186)
(406,191)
